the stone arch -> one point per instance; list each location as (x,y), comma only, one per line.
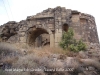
(65,27)
(38,36)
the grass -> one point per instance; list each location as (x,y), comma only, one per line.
(47,51)
(7,49)
(42,58)
(8,54)
(9,60)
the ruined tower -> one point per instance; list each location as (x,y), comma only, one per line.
(46,28)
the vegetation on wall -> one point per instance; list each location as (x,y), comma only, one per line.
(70,43)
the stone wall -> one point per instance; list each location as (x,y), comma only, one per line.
(49,25)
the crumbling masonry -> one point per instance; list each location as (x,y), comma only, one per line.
(46,28)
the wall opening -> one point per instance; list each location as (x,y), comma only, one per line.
(38,37)
(65,27)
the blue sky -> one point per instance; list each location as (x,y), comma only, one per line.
(16,10)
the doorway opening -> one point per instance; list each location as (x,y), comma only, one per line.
(38,37)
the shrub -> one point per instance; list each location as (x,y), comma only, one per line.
(76,47)
(67,39)
(68,42)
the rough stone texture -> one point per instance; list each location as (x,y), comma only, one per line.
(51,22)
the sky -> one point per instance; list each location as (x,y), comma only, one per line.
(17,10)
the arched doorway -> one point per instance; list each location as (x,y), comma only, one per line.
(38,37)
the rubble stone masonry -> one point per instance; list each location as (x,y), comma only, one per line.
(46,28)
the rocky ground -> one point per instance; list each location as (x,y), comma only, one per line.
(48,61)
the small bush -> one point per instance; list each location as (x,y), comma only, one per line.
(68,42)
(67,39)
(79,46)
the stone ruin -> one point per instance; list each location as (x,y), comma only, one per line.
(46,28)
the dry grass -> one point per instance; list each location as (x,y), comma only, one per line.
(7,47)
(43,58)
(28,61)
(8,54)
(46,51)
(21,46)
(9,60)
(54,50)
